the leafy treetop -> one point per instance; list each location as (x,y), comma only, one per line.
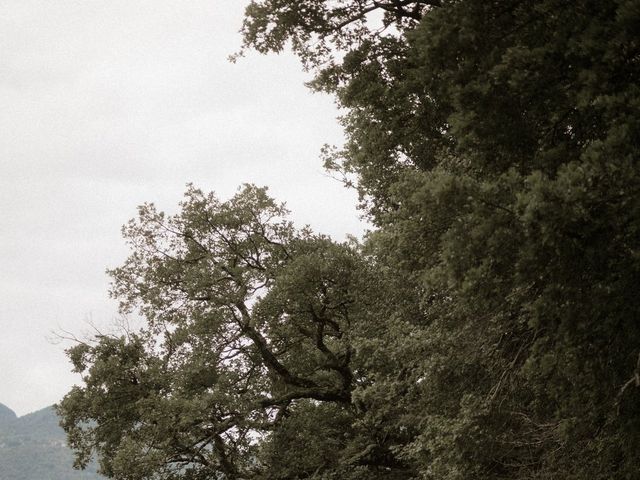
(246,317)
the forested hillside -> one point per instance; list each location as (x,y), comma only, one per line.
(488,327)
(33,447)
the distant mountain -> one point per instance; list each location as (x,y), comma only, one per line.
(6,415)
(33,447)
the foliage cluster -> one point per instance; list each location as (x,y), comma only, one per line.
(488,326)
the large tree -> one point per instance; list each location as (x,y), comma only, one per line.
(246,343)
(489,326)
(495,144)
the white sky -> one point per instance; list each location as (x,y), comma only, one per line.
(108,104)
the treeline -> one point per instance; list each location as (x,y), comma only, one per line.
(488,326)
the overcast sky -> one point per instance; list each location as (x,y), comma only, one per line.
(108,104)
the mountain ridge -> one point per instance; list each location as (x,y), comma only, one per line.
(34,447)
(6,414)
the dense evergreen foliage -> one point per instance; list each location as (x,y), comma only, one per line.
(33,447)
(487,328)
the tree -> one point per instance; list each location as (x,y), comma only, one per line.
(488,328)
(495,145)
(248,326)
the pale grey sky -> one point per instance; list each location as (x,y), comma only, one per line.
(108,104)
